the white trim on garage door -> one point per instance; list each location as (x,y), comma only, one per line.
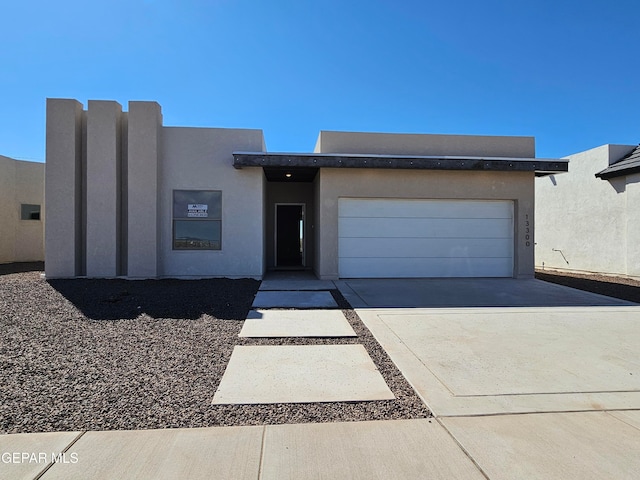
(389,238)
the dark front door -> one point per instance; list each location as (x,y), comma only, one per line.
(289,235)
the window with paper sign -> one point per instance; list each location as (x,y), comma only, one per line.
(197,220)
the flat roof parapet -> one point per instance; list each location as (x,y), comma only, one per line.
(424,144)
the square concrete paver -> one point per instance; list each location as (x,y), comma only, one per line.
(296,323)
(199,453)
(294,280)
(25,455)
(568,446)
(294,299)
(396,449)
(295,284)
(300,374)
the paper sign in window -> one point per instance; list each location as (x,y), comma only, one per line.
(197,210)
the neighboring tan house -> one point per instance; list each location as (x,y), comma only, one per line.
(129,197)
(21,215)
(588,220)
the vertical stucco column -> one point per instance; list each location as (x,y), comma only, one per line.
(524,237)
(143,154)
(318,267)
(103,188)
(63,189)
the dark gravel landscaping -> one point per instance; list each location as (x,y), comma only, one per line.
(116,354)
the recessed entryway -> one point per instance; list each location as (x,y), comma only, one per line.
(289,221)
(290,238)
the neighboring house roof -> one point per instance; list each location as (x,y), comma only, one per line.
(332,160)
(625,166)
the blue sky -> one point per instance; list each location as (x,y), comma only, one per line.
(564,71)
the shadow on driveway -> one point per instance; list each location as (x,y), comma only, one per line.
(597,284)
(467,292)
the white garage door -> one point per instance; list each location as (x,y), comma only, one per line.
(383,238)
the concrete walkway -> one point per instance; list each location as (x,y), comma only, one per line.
(296,323)
(294,280)
(519,390)
(263,374)
(294,299)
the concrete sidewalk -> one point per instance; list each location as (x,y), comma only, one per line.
(407,449)
(567,446)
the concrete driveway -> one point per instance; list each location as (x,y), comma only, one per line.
(493,346)
(533,380)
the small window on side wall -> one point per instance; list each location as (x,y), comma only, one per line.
(29,212)
(197,220)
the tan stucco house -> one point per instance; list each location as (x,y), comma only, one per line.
(22,212)
(587,220)
(129,197)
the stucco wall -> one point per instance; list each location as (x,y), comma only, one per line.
(424,144)
(21,183)
(103,189)
(201,159)
(9,214)
(583,223)
(112,176)
(110,181)
(633,225)
(64,232)
(143,170)
(421,184)
(317,226)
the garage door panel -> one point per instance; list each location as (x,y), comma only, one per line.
(425,227)
(391,208)
(425,267)
(425,247)
(380,238)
